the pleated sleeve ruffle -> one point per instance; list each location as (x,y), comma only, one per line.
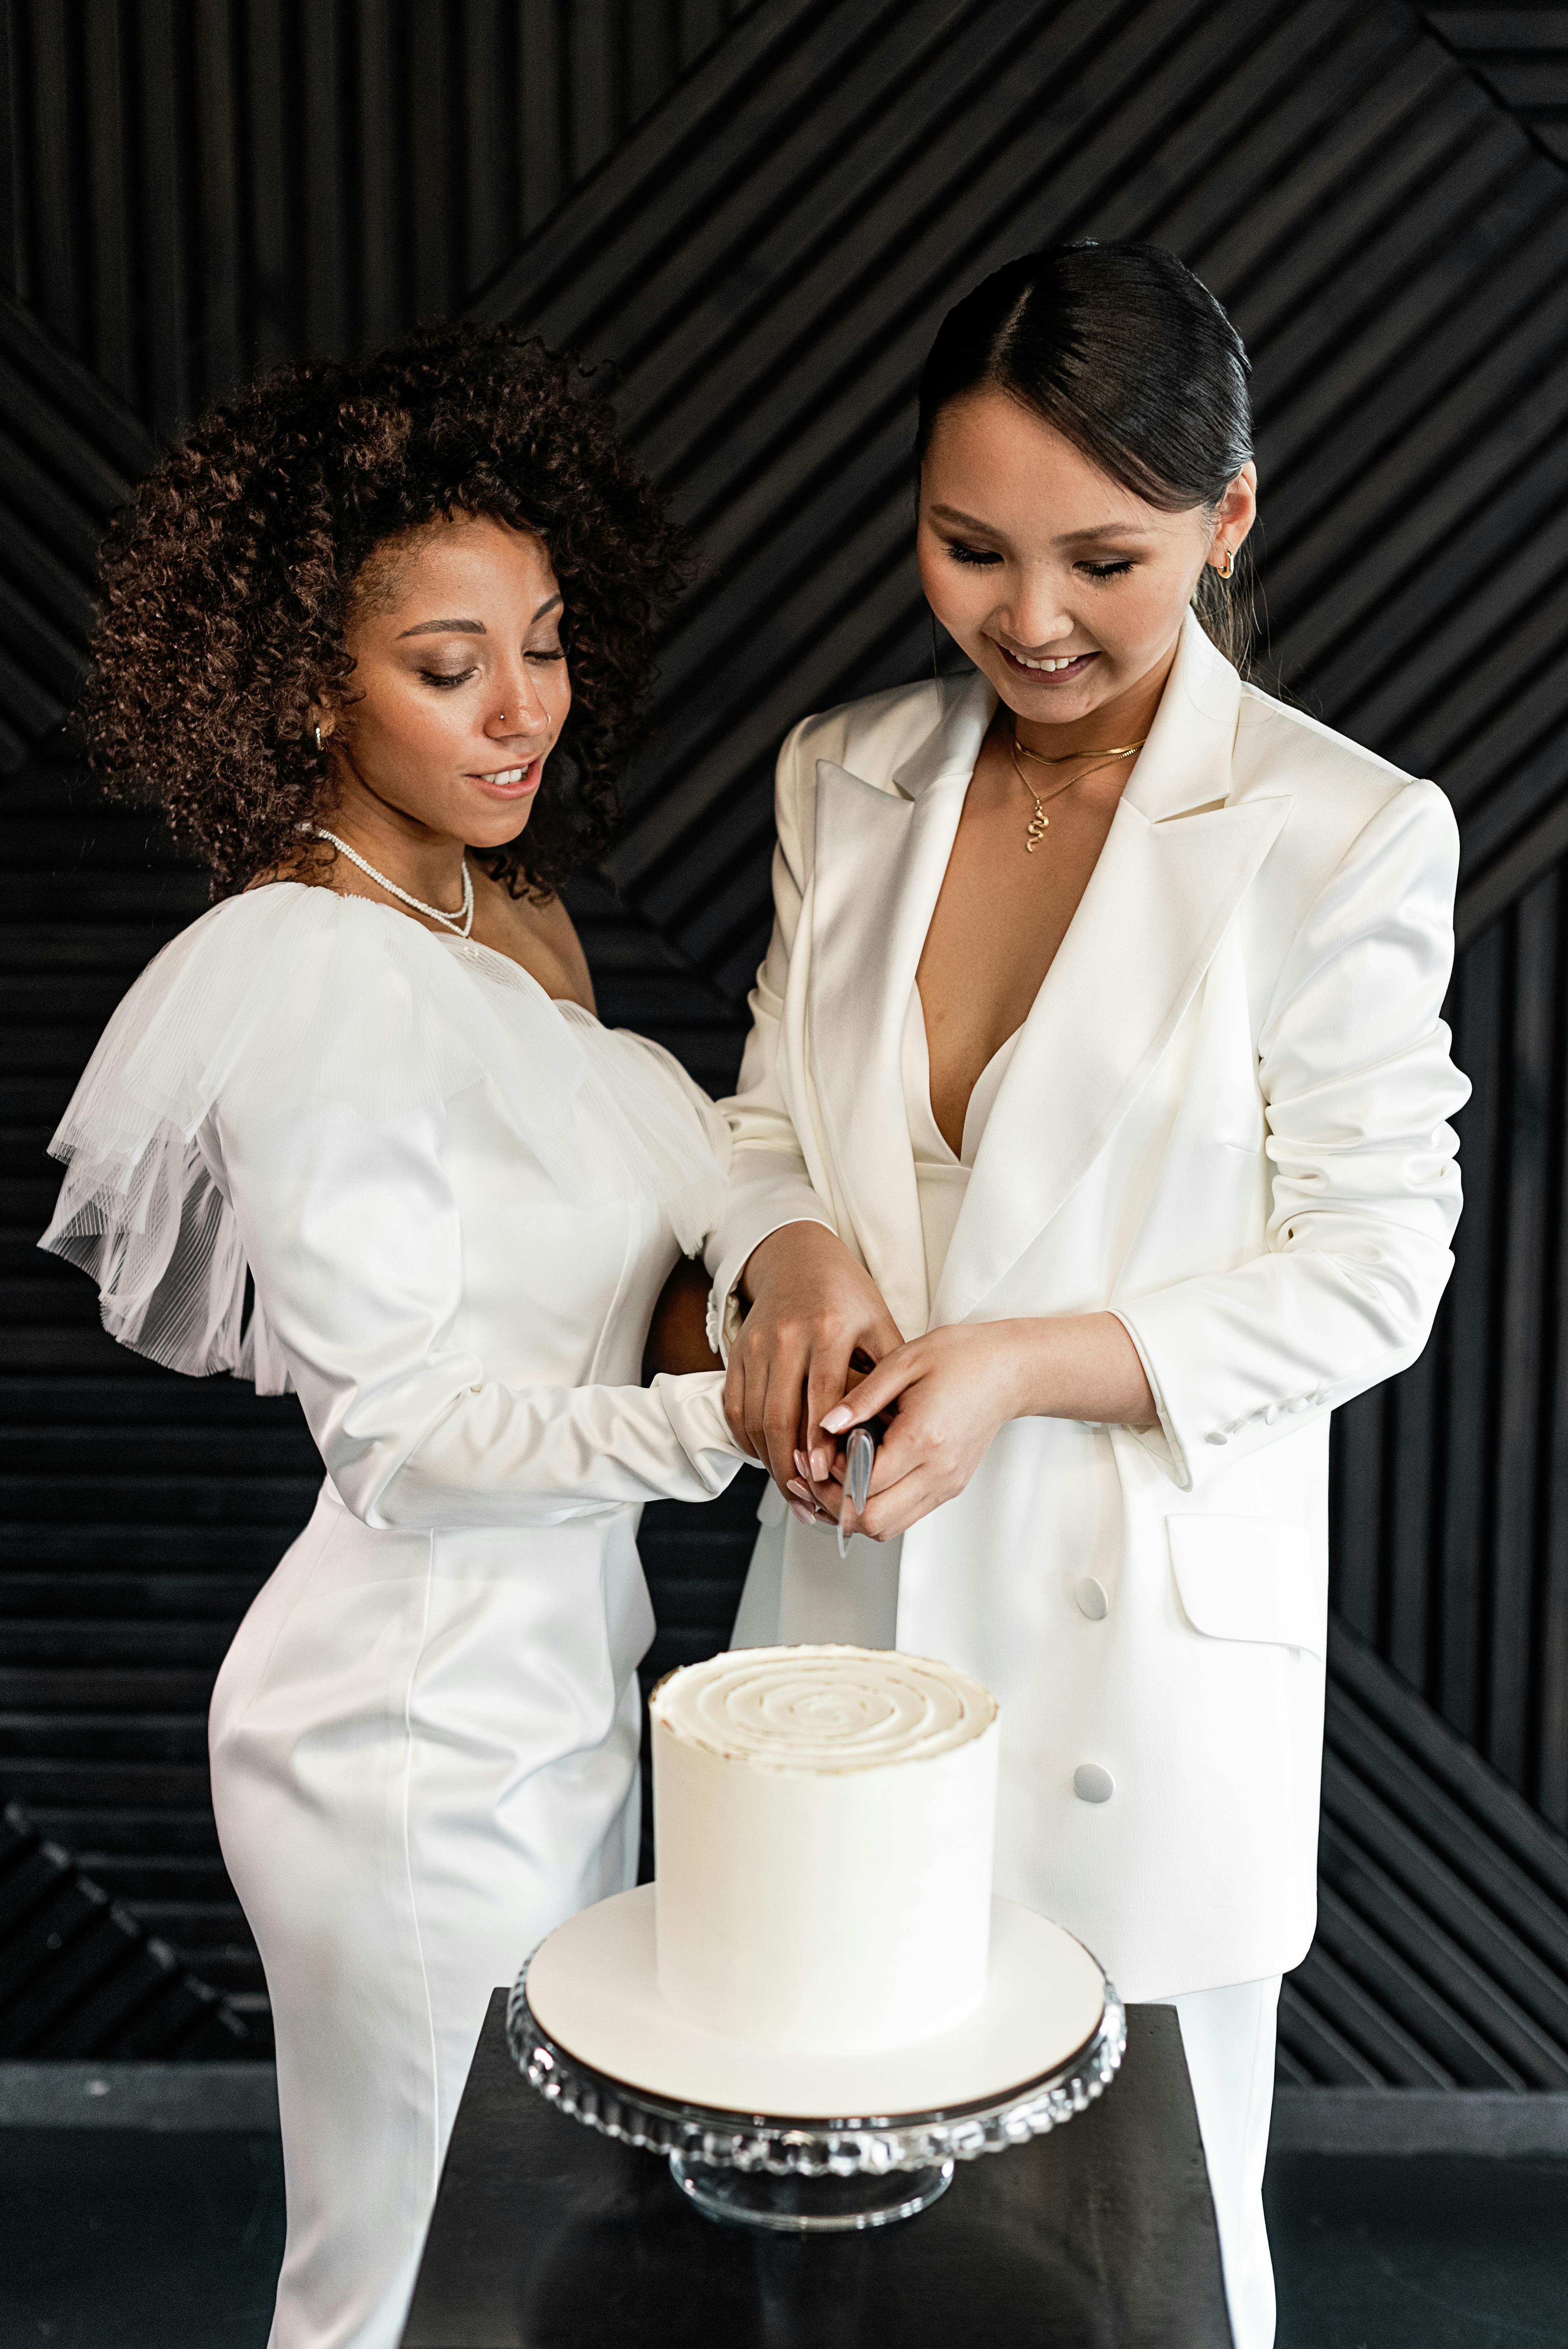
(297,1002)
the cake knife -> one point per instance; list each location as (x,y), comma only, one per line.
(860,1458)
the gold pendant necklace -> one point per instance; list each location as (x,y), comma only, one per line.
(1040,823)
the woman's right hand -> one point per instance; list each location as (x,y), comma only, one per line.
(812,1307)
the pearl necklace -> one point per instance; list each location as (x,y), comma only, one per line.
(460,923)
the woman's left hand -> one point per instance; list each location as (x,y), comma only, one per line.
(951,1392)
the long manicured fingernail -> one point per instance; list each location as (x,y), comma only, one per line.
(819,1464)
(799,1510)
(800,1491)
(803,1467)
(834,1421)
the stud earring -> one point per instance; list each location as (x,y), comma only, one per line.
(319,743)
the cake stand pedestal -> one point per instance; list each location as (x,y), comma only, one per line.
(804,2173)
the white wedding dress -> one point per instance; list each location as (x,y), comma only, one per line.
(450,1203)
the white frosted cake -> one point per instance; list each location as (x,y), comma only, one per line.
(825,1818)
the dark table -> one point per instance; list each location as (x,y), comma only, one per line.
(1100,2236)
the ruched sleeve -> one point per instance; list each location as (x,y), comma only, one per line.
(1359,1087)
(352,1236)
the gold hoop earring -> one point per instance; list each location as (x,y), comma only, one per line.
(1225,570)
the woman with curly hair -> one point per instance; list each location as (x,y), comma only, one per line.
(377,640)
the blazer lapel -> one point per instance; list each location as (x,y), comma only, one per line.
(1174,867)
(881,853)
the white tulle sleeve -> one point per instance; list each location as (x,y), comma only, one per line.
(255,1178)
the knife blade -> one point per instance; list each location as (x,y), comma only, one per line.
(861,1459)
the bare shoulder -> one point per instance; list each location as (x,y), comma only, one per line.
(554,928)
(542,937)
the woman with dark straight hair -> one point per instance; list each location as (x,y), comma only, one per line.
(1097,1098)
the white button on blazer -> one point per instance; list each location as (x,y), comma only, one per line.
(1225,1121)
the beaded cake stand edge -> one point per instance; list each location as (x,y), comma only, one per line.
(805,2177)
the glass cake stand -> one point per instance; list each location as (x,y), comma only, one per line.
(811,2177)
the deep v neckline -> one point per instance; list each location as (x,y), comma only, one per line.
(931,1145)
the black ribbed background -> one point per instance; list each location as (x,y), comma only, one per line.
(1379,196)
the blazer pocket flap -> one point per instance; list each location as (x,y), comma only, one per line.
(1249,1578)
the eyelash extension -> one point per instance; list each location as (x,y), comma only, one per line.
(446,684)
(980,557)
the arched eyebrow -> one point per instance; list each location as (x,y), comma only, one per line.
(1100,535)
(467,627)
(1107,534)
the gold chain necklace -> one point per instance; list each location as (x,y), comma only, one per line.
(1040,823)
(1060,758)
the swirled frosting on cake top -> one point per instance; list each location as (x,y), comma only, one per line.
(823,1709)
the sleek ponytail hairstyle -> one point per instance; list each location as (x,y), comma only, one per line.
(1122,351)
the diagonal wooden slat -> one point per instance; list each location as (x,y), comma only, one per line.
(1442,1948)
(1521,57)
(68,453)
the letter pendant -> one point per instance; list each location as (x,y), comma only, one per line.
(1039,825)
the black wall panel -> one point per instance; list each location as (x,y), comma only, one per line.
(198,188)
(1520,55)
(1379,196)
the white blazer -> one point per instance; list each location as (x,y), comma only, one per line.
(1225,1121)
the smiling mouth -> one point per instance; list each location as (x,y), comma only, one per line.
(1047,665)
(508,778)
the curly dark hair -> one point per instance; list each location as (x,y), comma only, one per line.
(227,582)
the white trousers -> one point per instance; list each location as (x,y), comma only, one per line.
(1228,2037)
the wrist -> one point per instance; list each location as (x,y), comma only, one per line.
(781,1251)
(1078,1366)
(1033,1369)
